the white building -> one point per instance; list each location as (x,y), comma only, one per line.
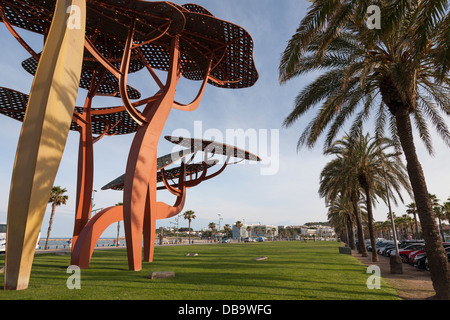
(254,231)
(318,231)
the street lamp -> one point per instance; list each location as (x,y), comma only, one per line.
(177,219)
(397,264)
(220,218)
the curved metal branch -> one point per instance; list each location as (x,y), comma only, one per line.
(164,211)
(16,35)
(197,181)
(100,58)
(169,24)
(150,70)
(123,76)
(196,103)
(194,183)
(172,190)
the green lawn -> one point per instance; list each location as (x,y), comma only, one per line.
(294,271)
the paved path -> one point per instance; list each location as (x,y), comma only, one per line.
(413,284)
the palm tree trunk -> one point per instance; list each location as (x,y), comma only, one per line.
(50,224)
(351,236)
(440,229)
(370,220)
(437,258)
(118,232)
(189,231)
(361,244)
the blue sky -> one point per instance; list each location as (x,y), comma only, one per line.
(242,192)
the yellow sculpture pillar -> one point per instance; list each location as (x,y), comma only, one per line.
(43,137)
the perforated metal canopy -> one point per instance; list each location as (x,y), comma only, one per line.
(109,85)
(213,147)
(162,162)
(13,104)
(171,174)
(202,36)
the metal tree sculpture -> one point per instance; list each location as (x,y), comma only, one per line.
(118,38)
(188,176)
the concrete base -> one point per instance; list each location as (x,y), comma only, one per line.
(161,275)
(396,265)
(261,259)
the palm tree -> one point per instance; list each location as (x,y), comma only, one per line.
(395,71)
(256,230)
(57,198)
(212,226)
(341,217)
(446,208)
(411,209)
(438,211)
(189,215)
(118,226)
(374,169)
(249,230)
(409,224)
(227,229)
(238,225)
(334,180)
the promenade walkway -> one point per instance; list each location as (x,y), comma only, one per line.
(413,284)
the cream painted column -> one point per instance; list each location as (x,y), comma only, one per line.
(43,137)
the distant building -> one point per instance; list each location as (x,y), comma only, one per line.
(318,231)
(254,231)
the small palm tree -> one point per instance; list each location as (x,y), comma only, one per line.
(238,225)
(189,215)
(412,209)
(335,180)
(341,217)
(212,226)
(446,208)
(227,229)
(118,226)
(57,198)
(249,231)
(273,232)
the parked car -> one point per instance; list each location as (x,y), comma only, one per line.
(404,253)
(388,246)
(405,243)
(413,254)
(390,251)
(249,239)
(421,260)
(226,240)
(382,244)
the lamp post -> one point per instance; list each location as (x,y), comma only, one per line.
(395,261)
(177,219)
(220,218)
